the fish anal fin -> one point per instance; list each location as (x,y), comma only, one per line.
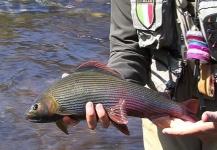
(118,112)
(162,122)
(122,127)
(62,126)
(99,67)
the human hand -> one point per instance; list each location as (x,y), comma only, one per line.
(205,129)
(92,115)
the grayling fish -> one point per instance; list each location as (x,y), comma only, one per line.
(95,82)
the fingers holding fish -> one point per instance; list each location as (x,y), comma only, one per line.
(91,116)
(203,130)
(175,122)
(70,121)
(209,116)
(103,117)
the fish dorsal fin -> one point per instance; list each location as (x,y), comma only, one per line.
(62,126)
(118,113)
(98,67)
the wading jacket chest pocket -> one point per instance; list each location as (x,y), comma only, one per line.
(155,22)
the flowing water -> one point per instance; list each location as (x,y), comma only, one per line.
(39,41)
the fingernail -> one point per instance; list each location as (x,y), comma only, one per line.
(89,106)
(99,107)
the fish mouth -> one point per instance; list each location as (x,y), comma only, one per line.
(32,117)
(35,120)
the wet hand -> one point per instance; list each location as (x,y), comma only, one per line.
(91,115)
(205,129)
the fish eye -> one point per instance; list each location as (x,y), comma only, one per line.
(35,107)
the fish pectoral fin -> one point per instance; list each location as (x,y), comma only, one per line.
(64,113)
(62,126)
(118,113)
(122,127)
(162,122)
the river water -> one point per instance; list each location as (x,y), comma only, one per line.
(39,41)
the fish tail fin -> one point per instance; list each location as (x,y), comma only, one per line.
(192,107)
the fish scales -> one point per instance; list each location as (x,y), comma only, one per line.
(97,87)
(81,93)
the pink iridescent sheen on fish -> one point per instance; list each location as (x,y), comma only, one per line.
(95,82)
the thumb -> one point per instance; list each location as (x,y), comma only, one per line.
(209,116)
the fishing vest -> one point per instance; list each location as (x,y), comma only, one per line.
(155,28)
(185,28)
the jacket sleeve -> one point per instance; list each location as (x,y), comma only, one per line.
(126,57)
